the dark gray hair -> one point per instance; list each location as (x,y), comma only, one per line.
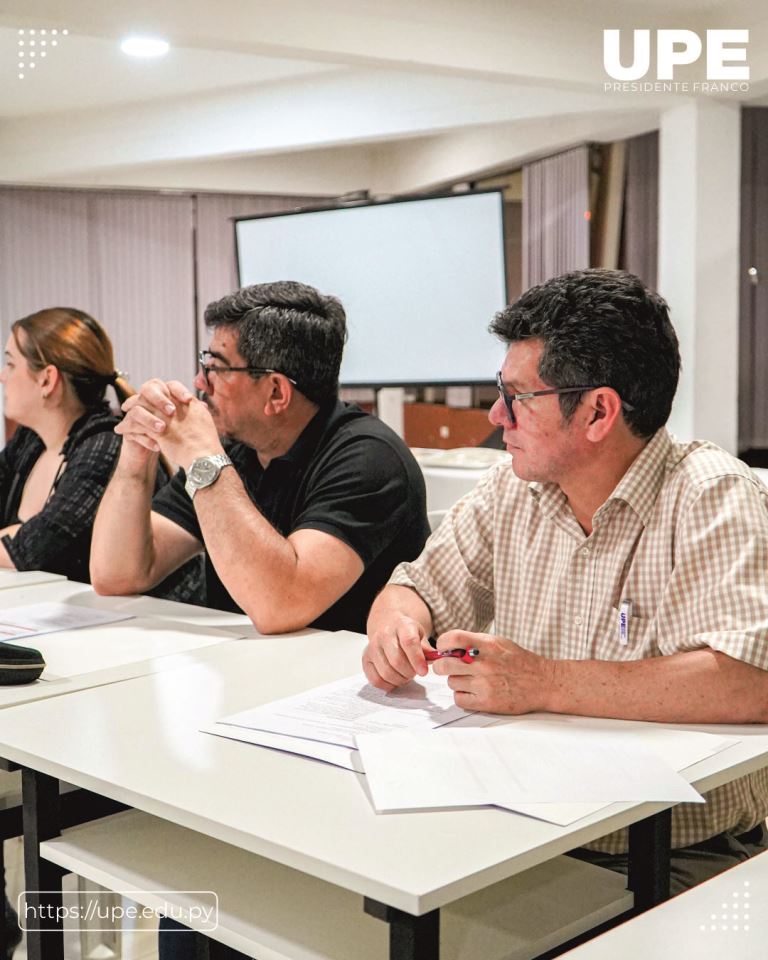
(289,327)
(601,328)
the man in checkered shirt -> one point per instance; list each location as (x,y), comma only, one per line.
(625,574)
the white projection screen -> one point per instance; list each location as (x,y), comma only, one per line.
(419,279)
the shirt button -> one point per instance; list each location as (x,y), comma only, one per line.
(577,621)
(585,551)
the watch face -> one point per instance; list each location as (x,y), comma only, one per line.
(202,472)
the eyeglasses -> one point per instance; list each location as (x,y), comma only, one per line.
(509,398)
(222,370)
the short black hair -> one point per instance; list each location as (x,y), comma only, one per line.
(601,328)
(289,327)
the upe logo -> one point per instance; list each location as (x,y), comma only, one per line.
(677,48)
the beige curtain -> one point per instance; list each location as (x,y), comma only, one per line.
(555,219)
(125,258)
(143,263)
(753,285)
(640,228)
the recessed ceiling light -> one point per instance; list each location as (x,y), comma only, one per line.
(145,47)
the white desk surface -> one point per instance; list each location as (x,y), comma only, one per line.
(106,655)
(459,458)
(138,742)
(70,591)
(172,637)
(724,917)
(12,579)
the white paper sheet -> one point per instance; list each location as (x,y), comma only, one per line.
(507,766)
(346,757)
(20,623)
(336,712)
(679,748)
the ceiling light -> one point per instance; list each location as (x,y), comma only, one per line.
(144,47)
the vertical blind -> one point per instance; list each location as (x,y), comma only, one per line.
(641,208)
(555,216)
(139,262)
(753,287)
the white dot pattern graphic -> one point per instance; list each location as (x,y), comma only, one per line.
(26,53)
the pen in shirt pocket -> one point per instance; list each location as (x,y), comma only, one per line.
(625,612)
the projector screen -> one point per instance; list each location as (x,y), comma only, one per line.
(419,279)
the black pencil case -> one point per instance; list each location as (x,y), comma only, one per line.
(19,664)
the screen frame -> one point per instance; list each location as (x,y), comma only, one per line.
(355,205)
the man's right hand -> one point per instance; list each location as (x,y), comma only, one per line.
(395,652)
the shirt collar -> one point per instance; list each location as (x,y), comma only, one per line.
(639,487)
(306,443)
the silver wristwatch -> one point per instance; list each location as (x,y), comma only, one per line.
(204,471)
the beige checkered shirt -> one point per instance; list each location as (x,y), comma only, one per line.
(683,537)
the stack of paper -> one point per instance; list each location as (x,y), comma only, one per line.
(323,722)
(420,751)
(556,772)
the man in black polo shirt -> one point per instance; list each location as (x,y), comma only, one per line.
(304,508)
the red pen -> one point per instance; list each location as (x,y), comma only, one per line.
(459,653)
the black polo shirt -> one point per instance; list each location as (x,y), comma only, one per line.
(348,475)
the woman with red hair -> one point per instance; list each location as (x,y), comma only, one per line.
(53,471)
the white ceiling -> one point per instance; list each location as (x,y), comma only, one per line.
(82,72)
(298,95)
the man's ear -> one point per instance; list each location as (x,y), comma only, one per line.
(603,411)
(280,394)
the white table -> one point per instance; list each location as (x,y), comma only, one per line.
(10,579)
(164,635)
(61,590)
(449,474)
(165,867)
(305,815)
(99,656)
(723,917)
(103,655)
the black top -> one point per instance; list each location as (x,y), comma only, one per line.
(348,475)
(58,538)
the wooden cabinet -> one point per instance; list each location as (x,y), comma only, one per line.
(436,425)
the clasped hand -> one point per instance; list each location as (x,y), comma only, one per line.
(503,678)
(166,417)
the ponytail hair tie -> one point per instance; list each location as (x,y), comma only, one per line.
(117,375)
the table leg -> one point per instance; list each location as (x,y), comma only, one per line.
(204,948)
(42,821)
(410,938)
(3,929)
(649,859)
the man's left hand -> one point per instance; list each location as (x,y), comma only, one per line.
(503,678)
(189,434)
